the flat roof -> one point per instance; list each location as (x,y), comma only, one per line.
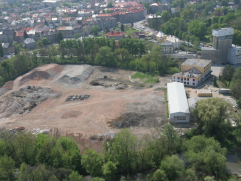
(177,98)
(197,62)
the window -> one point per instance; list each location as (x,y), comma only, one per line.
(193,79)
(178,78)
(180,117)
(187,83)
(184,78)
(193,84)
(187,78)
(184,82)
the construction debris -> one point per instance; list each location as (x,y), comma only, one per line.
(78,97)
(24,100)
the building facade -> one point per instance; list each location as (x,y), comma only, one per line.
(234,55)
(29,43)
(193,72)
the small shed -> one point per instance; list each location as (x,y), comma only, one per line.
(204,93)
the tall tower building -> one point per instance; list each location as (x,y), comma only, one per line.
(222,41)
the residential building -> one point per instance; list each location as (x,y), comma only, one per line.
(167,48)
(8,49)
(115,34)
(29,43)
(153,20)
(204,66)
(155,7)
(234,55)
(7,36)
(50,3)
(67,31)
(188,78)
(160,36)
(177,103)
(174,40)
(193,72)
(138,35)
(10,1)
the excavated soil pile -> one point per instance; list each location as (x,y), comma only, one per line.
(47,72)
(24,100)
(132,119)
(71,114)
(74,74)
(6,87)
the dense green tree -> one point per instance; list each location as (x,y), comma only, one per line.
(109,169)
(95,30)
(206,155)
(24,147)
(1,50)
(7,168)
(123,150)
(215,19)
(159,175)
(75,176)
(92,162)
(122,28)
(228,72)
(212,114)
(45,41)
(25,35)
(109,5)
(172,166)
(171,137)
(166,16)
(105,56)
(59,36)
(197,28)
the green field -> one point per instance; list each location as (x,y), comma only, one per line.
(146,78)
(129,30)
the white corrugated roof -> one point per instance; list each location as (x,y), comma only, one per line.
(177,98)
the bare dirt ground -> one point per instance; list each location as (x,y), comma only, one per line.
(114,104)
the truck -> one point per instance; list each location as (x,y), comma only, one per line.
(224,91)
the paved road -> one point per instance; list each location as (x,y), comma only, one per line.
(217,69)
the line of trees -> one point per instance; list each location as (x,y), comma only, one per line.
(128,53)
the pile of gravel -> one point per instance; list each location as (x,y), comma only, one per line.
(74,74)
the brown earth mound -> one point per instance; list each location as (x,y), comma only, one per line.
(6,87)
(47,72)
(71,114)
(37,75)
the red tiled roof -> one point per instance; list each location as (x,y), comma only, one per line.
(28,29)
(115,33)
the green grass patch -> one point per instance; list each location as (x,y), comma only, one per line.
(146,78)
(167,111)
(129,30)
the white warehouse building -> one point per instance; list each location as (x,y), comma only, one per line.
(177,103)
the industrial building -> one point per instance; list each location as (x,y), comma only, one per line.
(177,103)
(193,72)
(222,41)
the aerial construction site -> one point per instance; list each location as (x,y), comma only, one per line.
(83,101)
